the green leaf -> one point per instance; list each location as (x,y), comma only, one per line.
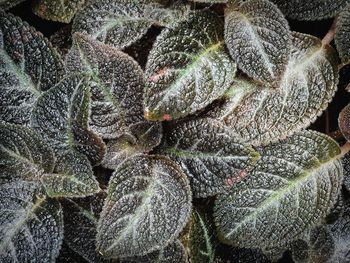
(28,66)
(344,122)
(261,115)
(258,38)
(57,10)
(148,204)
(121,23)
(342,35)
(212,157)
(311,9)
(118,83)
(346,166)
(7,4)
(291,189)
(188,68)
(61,117)
(31,226)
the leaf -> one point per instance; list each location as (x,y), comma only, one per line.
(212,157)
(57,10)
(121,23)
(7,4)
(143,138)
(258,38)
(344,122)
(342,34)
(311,9)
(346,167)
(28,66)
(118,84)
(291,189)
(31,226)
(68,256)
(61,117)
(148,204)
(188,68)
(261,115)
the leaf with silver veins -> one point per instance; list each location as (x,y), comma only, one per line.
(261,115)
(342,34)
(258,38)
(291,189)
(148,204)
(31,226)
(7,4)
(121,23)
(346,166)
(212,157)
(61,117)
(188,68)
(28,66)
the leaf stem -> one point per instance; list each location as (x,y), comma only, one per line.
(345,149)
(330,34)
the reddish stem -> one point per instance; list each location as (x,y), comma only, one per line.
(330,34)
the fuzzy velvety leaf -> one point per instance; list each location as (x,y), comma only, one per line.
(23,155)
(344,122)
(57,10)
(148,204)
(342,35)
(211,156)
(142,138)
(311,9)
(61,117)
(291,189)
(7,4)
(121,23)
(258,38)
(28,66)
(260,114)
(31,226)
(346,166)
(118,84)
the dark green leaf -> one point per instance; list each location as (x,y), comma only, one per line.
(7,4)
(342,35)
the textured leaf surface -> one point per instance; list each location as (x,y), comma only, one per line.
(148,204)
(346,166)
(187,68)
(61,117)
(342,35)
(344,122)
(28,66)
(121,23)
(7,4)
(292,188)
(31,227)
(311,9)
(211,156)
(260,114)
(117,92)
(258,38)
(57,10)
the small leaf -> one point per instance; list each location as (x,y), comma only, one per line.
(344,122)
(342,34)
(188,68)
(148,204)
(57,10)
(311,9)
(7,4)
(28,66)
(61,116)
(211,156)
(258,38)
(31,226)
(121,23)
(261,115)
(291,189)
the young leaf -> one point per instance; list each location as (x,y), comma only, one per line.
(57,10)
(28,66)
(344,122)
(342,35)
(188,68)
(121,23)
(258,38)
(148,204)
(261,115)
(211,156)
(7,4)
(311,9)
(291,189)
(31,226)
(61,117)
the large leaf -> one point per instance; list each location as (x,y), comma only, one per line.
(342,35)
(61,117)
(57,10)
(260,114)
(291,189)
(188,68)
(7,4)
(121,23)
(31,226)
(28,66)
(148,204)
(211,156)
(258,38)
(311,9)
